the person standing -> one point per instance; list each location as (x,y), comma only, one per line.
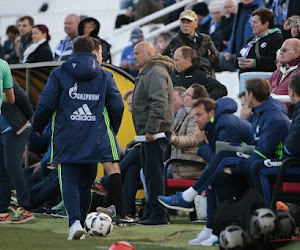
(15,130)
(40,50)
(25,24)
(86,108)
(64,49)
(6,86)
(152,112)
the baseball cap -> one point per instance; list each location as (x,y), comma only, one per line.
(135,35)
(188,14)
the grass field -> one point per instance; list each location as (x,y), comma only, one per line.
(51,233)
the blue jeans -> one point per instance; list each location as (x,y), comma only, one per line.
(11,172)
(152,158)
(76,182)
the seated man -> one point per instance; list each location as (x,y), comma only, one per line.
(218,121)
(262,170)
(290,58)
(270,127)
(184,145)
(187,73)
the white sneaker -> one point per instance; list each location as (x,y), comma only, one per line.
(210,241)
(203,235)
(76,231)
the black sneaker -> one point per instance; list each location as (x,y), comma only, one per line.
(155,220)
(50,212)
(62,214)
(40,210)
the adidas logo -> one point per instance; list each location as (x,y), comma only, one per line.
(83,114)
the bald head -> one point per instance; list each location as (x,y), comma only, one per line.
(290,50)
(143,51)
(71,25)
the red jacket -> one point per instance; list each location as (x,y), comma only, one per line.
(279,85)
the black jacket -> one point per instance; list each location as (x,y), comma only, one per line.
(41,54)
(291,143)
(106,55)
(201,43)
(264,51)
(20,112)
(194,75)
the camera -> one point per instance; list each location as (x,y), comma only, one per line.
(295,22)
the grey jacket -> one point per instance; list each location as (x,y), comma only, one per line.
(152,100)
(185,146)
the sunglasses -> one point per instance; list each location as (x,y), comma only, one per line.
(283,50)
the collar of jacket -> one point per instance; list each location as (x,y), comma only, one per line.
(197,36)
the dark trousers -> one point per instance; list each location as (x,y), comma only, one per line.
(76,182)
(264,172)
(130,167)
(45,190)
(11,172)
(220,161)
(152,157)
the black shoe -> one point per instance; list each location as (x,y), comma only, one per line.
(123,220)
(145,216)
(155,220)
(40,210)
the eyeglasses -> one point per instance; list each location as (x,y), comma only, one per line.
(283,50)
(187,94)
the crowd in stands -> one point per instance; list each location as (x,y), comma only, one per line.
(176,93)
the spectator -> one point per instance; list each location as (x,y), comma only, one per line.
(215,25)
(15,131)
(201,10)
(229,13)
(178,95)
(8,52)
(241,32)
(292,26)
(259,52)
(187,73)
(188,36)
(225,127)
(183,141)
(78,164)
(246,112)
(126,18)
(290,58)
(278,60)
(147,7)
(25,24)
(152,113)
(64,49)
(162,44)
(40,50)
(127,60)
(91,27)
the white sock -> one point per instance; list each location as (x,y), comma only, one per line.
(206,231)
(189,194)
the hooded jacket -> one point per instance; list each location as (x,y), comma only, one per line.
(225,126)
(87,110)
(291,143)
(270,128)
(106,55)
(152,100)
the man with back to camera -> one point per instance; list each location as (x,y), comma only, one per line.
(187,73)
(152,113)
(64,49)
(86,108)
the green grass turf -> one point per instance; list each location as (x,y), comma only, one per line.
(51,233)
